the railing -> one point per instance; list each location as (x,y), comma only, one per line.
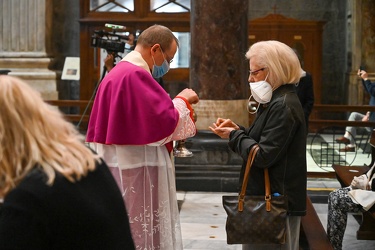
(81,104)
(319,109)
(315,124)
(319,122)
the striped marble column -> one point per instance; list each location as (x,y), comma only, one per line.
(361,30)
(218,70)
(24,43)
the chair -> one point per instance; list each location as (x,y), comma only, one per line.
(364,139)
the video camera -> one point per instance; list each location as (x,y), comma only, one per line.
(110,41)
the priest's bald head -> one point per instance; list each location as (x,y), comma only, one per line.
(158,46)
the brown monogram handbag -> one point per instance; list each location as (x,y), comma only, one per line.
(255,219)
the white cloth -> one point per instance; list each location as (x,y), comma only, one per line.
(146,177)
(365,198)
(362,196)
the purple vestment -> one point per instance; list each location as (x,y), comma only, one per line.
(131,108)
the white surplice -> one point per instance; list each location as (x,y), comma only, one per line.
(146,177)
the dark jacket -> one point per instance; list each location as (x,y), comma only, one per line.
(87,214)
(305,92)
(279,130)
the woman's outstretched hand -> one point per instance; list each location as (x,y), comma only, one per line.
(223,127)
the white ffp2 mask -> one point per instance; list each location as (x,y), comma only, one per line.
(261,91)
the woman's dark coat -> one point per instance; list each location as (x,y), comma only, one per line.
(279,130)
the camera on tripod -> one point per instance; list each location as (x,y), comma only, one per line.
(112,42)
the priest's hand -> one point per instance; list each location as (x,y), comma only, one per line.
(190,95)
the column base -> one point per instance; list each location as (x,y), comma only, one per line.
(35,72)
(208,111)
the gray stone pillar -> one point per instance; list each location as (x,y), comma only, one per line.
(24,42)
(218,69)
(218,73)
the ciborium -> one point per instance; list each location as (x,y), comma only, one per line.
(180,149)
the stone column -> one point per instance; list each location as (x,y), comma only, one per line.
(218,70)
(361,27)
(24,43)
(368,34)
(218,73)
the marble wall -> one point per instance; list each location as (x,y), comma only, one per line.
(24,43)
(35,38)
(65,43)
(333,13)
(218,69)
(58,37)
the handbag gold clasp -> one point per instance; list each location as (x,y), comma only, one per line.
(240,203)
(267,198)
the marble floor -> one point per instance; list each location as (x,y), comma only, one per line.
(203,217)
(203,223)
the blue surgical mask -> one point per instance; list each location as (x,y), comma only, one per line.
(159,71)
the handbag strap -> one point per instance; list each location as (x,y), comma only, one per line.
(249,163)
(253,151)
(267,184)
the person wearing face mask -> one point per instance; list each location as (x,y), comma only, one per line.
(110,60)
(132,125)
(261,92)
(279,130)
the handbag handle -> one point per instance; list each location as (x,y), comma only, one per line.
(250,160)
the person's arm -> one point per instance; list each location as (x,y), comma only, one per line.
(109,62)
(366,82)
(186,123)
(273,140)
(309,95)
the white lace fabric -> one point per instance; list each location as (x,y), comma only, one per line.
(146,178)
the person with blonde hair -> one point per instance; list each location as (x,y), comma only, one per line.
(279,130)
(56,192)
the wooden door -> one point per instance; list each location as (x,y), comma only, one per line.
(303,36)
(135,15)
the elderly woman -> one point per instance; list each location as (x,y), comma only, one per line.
(57,193)
(279,130)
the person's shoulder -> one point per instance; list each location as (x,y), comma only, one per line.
(286,97)
(29,191)
(35,177)
(307,78)
(128,68)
